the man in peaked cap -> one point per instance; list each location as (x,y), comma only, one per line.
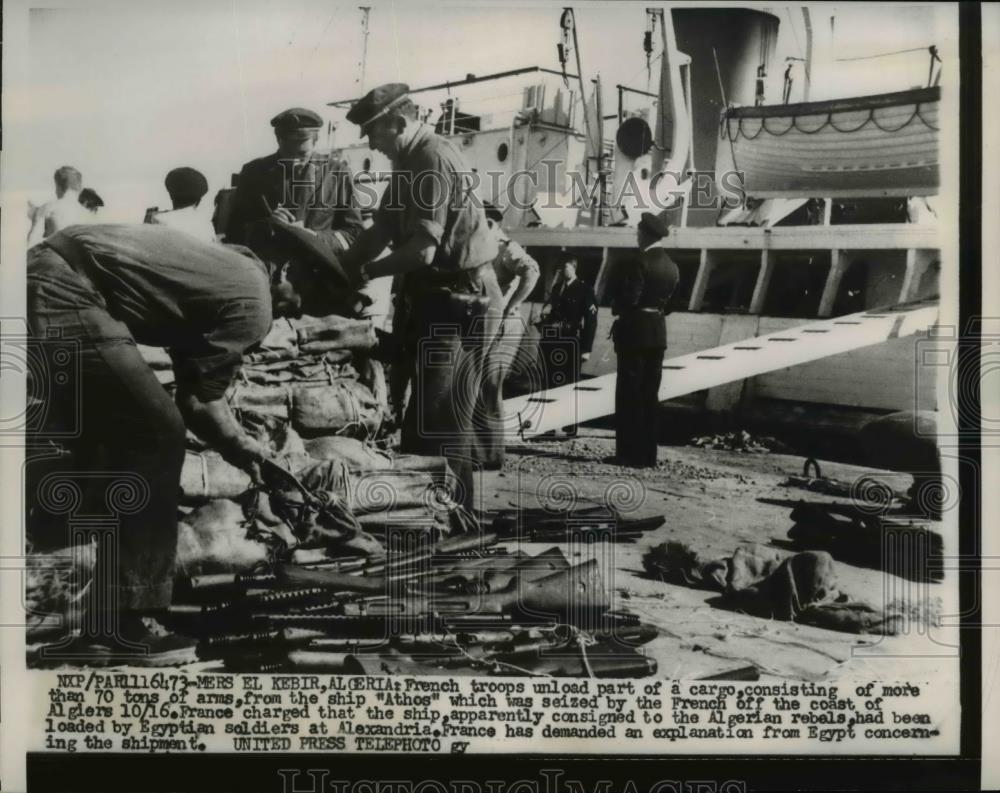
(186,187)
(640,336)
(296,185)
(449,304)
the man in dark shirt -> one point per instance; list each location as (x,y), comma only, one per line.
(99,290)
(640,336)
(296,184)
(449,304)
(569,327)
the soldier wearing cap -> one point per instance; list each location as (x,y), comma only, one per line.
(640,337)
(296,185)
(449,303)
(186,187)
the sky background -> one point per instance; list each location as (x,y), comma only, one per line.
(127,91)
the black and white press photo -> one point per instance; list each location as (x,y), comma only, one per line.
(494,381)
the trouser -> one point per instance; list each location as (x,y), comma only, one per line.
(120,482)
(637,405)
(444,356)
(489,434)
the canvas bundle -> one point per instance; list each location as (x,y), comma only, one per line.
(345,405)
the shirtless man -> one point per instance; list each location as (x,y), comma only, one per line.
(65,211)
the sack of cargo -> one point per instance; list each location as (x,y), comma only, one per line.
(333,333)
(343,406)
(357,455)
(213,539)
(206,476)
(377,491)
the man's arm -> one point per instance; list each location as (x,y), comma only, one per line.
(527,273)
(366,246)
(417,252)
(37,232)
(338,214)
(213,421)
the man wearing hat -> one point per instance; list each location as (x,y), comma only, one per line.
(640,337)
(449,304)
(186,187)
(295,185)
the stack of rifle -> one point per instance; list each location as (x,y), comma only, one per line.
(450,607)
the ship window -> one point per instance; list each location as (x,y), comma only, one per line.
(367,164)
(870,279)
(731,284)
(687,265)
(797,283)
(644,173)
(502,152)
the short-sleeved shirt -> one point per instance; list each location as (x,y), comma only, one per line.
(205,303)
(512,261)
(430,193)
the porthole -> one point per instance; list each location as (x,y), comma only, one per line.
(502,151)
(367,164)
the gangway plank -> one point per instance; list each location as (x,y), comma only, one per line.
(542,411)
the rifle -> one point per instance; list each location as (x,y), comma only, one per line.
(567,592)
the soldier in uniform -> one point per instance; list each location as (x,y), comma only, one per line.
(444,250)
(640,337)
(569,327)
(517,273)
(295,185)
(102,289)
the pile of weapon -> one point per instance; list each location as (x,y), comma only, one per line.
(458,606)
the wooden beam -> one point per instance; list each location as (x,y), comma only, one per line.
(601,282)
(763,281)
(705,267)
(917,262)
(838,266)
(896,236)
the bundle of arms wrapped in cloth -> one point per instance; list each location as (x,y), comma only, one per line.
(451,607)
(762,582)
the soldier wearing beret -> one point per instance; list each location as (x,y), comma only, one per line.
(295,185)
(186,187)
(640,337)
(449,304)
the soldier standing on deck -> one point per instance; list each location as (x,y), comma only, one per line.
(296,185)
(442,247)
(573,320)
(640,336)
